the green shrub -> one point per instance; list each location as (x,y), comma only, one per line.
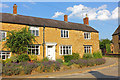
(23,57)
(45,59)
(33,57)
(8,60)
(97,54)
(14,58)
(65,63)
(75,56)
(68,58)
(7,71)
(59,60)
(108,48)
(16,71)
(87,56)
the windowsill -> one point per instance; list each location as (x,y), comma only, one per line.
(65,37)
(87,39)
(64,54)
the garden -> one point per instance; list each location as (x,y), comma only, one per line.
(21,63)
(25,64)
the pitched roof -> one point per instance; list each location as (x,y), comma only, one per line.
(35,21)
(117,31)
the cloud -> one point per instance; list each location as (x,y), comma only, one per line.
(25,6)
(57,14)
(32,2)
(3,5)
(100,13)
(103,15)
(115,13)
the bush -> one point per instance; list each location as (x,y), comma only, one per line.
(11,69)
(14,58)
(87,62)
(67,58)
(23,57)
(33,57)
(8,60)
(97,54)
(75,56)
(59,60)
(87,56)
(45,59)
(48,66)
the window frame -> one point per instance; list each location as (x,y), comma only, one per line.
(88,49)
(89,35)
(5,54)
(34,49)
(35,29)
(65,49)
(64,34)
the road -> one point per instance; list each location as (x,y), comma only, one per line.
(111,72)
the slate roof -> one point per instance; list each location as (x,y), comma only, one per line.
(117,31)
(35,21)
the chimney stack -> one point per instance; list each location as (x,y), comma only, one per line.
(86,20)
(66,18)
(15,9)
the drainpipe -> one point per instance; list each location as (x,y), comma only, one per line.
(43,40)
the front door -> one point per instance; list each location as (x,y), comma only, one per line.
(51,52)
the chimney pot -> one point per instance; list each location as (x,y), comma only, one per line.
(86,20)
(15,9)
(66,18)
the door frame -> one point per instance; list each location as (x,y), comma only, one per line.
(54,47)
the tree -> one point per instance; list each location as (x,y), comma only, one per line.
(103,43)
(17,41)
(108,48)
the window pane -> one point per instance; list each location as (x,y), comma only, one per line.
(63,49)
(64,34)
(37,33)
(37,52)
(3,56)
(34,32)
(33,51)
(33,46)
(3,36)
(37,46)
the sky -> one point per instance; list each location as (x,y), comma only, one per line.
(103,16)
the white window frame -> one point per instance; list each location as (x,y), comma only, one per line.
(34,29)
(1,32)
(65,49)
(87,36)
(87,48)
(5,54)
(34,49)
(64,34)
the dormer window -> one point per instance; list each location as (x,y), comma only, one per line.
(35,31)
(87,35)
(64,34)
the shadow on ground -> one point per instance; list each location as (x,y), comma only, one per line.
(100,76)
